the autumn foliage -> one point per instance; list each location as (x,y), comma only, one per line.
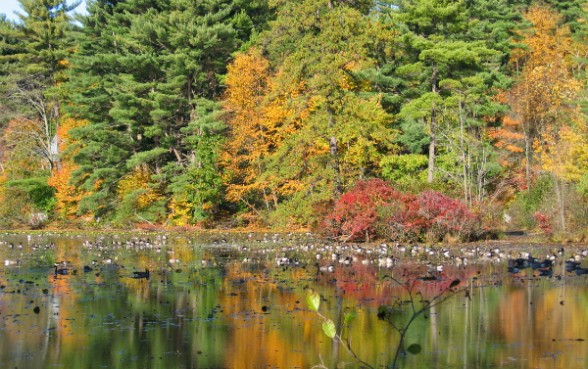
(67,195)
(264,113)
(374,209)
(356,214)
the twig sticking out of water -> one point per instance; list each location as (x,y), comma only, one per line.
(426,305)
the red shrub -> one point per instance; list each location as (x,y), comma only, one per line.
(544,223)
(445,215)
(356,212)
(373,208)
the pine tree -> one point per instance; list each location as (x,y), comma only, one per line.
(146,78)
(451,62)
(33,57)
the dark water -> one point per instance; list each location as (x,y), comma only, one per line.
(218,303)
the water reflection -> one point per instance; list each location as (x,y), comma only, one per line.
(225,305)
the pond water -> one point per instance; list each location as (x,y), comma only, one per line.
(240,302)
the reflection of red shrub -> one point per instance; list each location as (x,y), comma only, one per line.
(373,208)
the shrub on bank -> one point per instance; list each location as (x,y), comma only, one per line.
(357,213)
(373,209)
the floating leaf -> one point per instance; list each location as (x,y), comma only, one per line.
(313,299)
(329,328)
(414,349)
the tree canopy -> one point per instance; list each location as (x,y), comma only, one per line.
(266,112)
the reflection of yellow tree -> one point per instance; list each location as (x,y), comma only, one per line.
(65,300)
(253,344)
(543,322)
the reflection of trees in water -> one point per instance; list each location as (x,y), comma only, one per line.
(257,339)
(544,325)
(209,314)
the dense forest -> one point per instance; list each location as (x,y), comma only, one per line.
(417,119)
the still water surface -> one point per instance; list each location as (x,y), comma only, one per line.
(217,303)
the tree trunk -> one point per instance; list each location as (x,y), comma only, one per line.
(433,135)
(466,196)
(559,191)
(527,160)
(336,166)
(431,169)
(56,154)
(338,190)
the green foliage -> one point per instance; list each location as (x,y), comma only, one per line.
(338,130)
(200,183)
(329,328)
(44,28)
(414,349)
(348,317)
(413,136)
(403,169)
(534,199)
(147,88)
(39,193)
(402,90)
(145,157)
(582,186)
(313,300)
(32,60)
(131,210)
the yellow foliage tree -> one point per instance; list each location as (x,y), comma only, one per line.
(138,182)
(248,137)
(180,212)
(544,93)
(259,118)
(68,196)
(563,152)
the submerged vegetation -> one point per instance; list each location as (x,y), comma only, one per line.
(400,119)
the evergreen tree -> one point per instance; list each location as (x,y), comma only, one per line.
(146,78)
(450,66)
(33,57)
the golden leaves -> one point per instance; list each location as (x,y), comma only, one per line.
(543,99)
(139,180)
(67,195)
(563,152)
(180,212)
(545,85)
(261,116)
